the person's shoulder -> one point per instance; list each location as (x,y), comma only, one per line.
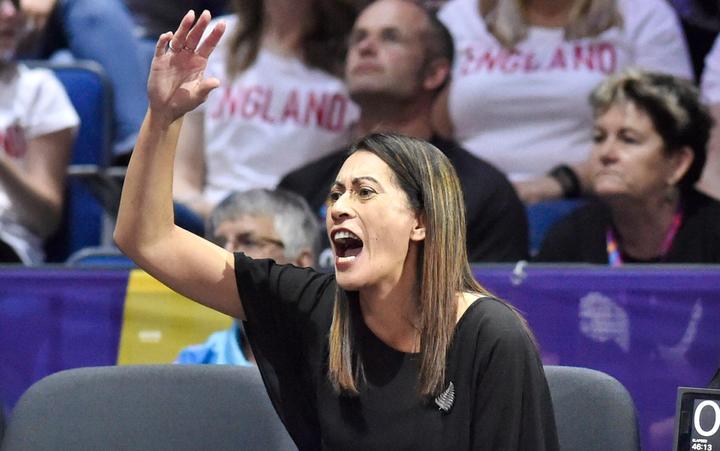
(491,319)
(468,164)
(701,206)
(638,13)
(314,176)
(462,17)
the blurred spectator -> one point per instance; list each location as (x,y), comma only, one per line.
(399,57)
(37,127)
(151,19)
(279,105)
(97,30)
(261,224)
(649,150)
(710,180)
(525,68)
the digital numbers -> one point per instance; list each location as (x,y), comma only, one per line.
(702,447)
(696,418)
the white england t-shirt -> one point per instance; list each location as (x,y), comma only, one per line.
(526,110)
(32,103)
(274,117)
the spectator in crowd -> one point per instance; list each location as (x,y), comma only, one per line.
(518,96)
(280,104)
(399,58)
(650,135)
(710,180)
(400,348)
(97,30)
(260,223)
(37,129)
(151,19)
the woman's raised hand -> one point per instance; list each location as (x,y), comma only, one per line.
(177,83)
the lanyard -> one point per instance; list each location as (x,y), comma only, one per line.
(613,247)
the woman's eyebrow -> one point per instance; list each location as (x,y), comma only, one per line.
(367,178)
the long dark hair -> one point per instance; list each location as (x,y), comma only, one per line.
(432,187)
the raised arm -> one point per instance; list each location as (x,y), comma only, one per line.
(145,229)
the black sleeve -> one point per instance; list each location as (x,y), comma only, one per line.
(288,312)
(513,408)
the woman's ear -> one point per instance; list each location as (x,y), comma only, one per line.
(681,162)
(418,231)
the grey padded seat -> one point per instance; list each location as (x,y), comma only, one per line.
(593,410)
(147,407)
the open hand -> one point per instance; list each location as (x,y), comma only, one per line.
(177,83)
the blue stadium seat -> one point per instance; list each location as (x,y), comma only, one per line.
(83,215)
(543,215)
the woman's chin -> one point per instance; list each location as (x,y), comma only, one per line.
(348,282)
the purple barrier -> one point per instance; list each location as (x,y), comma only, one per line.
(653,329)
(55,319)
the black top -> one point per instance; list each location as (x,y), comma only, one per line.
(497,223)
(501,400)
(581,237)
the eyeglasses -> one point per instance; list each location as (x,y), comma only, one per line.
(251,242)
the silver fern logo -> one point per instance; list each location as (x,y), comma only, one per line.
(446,399)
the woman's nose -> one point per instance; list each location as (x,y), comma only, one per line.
(340,208)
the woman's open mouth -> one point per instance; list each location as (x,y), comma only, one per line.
(347,246)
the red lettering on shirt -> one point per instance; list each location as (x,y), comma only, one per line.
(326,110)
(558,60)
(292,107)
(13,141)
(574,56)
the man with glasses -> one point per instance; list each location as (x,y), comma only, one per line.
(260,223)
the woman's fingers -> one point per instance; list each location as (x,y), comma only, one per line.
(180,36)
(212,39)
(197,31)
(162,43)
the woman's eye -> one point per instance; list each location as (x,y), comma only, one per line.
(333,196)
(365,192)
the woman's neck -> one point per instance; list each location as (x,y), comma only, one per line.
(285,25)
(548,13)
(643,227)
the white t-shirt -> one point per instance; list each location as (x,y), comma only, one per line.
(711,74)
(527,110)
(274,117)
(32,103)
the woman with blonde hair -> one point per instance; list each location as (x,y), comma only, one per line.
(649,149)
(399,348)
(524,71)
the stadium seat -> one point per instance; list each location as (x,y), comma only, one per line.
(593,411)
(147,407)
(543,215)
(83,222)
(100,256)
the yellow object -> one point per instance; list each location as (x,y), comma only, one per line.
(158,322)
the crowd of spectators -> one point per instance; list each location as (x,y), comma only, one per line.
(503,91)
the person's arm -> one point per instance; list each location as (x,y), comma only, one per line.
(145,229)
(189,180)
(36,187)
(512,406)
(547,187)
